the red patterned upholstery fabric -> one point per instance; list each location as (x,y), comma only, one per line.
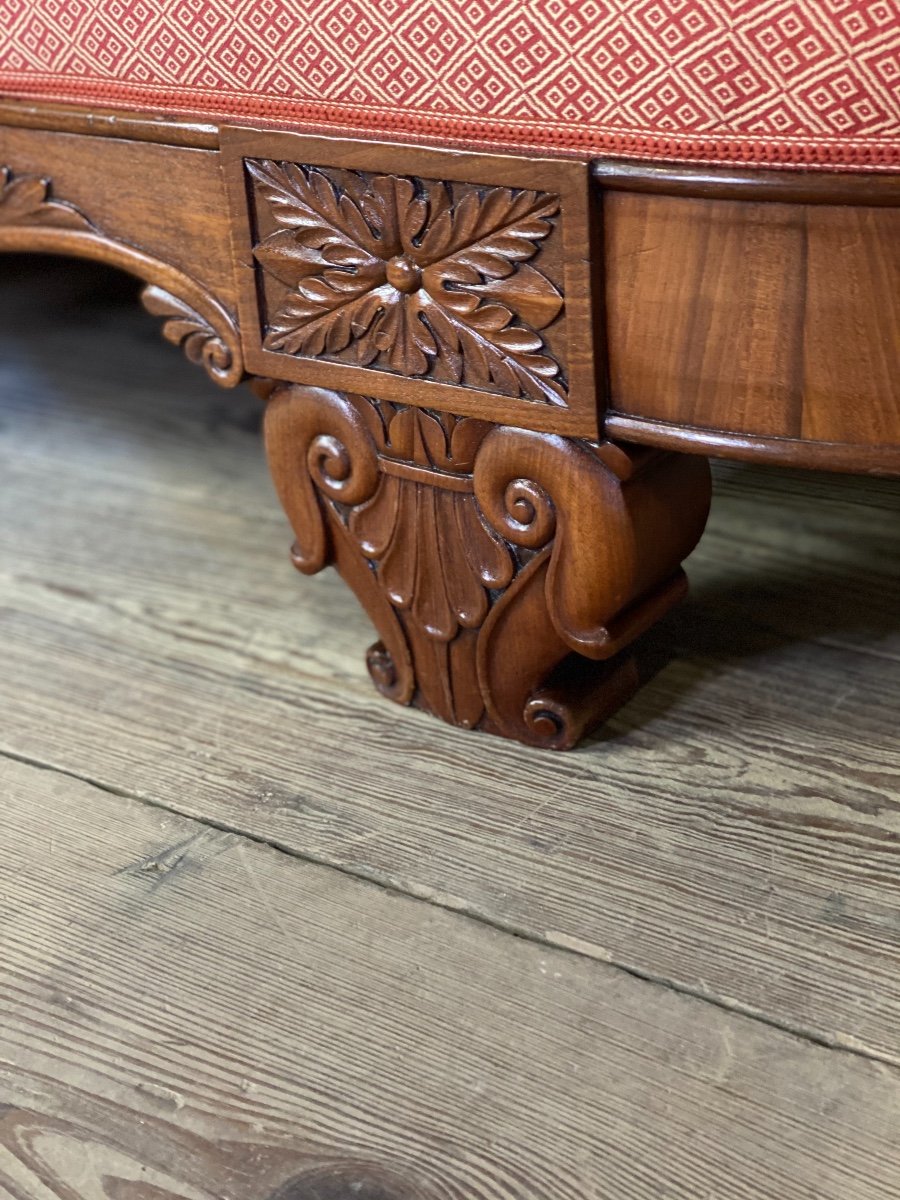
(789,82)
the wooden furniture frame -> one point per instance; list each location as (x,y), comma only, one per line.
(492,381)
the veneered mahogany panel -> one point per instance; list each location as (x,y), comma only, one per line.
(169,201)
(851,346)
(776,320)
(704,304)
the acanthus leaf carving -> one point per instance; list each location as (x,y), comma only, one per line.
(26,200)
(443,583)
(494,561)
(32,219)
(410,276)
(214,349)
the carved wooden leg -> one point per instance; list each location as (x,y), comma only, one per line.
(494,561)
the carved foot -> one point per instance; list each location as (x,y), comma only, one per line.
(494,561)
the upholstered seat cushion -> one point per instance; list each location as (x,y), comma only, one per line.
(792,82)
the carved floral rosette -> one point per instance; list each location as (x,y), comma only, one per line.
(422,278)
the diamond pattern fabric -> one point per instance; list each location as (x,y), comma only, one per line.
(778,82)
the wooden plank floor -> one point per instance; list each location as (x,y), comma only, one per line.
(264,935)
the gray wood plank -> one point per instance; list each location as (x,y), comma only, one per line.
(734,831)
(806,555)
(185,1014)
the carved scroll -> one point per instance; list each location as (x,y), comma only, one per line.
(493,561)
(31,219)
(215,347)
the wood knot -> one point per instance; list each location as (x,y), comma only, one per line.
(348,1181)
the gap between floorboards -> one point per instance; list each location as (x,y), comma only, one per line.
(845,1045)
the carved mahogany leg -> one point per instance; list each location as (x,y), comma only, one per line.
(493,561)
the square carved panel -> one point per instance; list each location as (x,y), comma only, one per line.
(444,279)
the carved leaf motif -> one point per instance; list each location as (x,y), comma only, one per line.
(490,235)
(530,293)
(308,202)
(327,256)
(184,326)
(435,556)
(392,271)
(24,200)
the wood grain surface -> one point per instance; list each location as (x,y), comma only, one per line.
(732,836)
(756,315)
(169,201)
(780,321)
(188,1015)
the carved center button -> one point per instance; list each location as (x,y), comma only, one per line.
(403,274)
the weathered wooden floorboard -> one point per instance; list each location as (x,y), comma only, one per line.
(736,829)
(810,556)
(185,1014)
